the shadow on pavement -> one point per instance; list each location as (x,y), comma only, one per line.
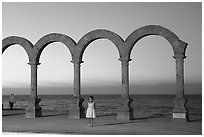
(195,119)
(105,115)
(150,117)
(12,114)
(141,119)
(16,111)
(52,115)
(13,109)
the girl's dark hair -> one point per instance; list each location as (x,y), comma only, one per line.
(91,97)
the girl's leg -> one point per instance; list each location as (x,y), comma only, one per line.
(91,121)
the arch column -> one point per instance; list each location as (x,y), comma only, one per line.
(76,109)
(179,110)
(125,110)
(33,109)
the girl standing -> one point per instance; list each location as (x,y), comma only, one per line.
(90,113)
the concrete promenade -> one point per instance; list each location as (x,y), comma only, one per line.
(58,123)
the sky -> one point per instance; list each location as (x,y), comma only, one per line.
(151,71)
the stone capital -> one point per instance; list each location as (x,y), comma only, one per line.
(34,63)
(76,61)
(124,59)
(179,57)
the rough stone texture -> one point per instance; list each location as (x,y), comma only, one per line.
(124,49)
(51,38)
(125,111)
(33,91)
(144,31)
(179,75)
(77,78)
(12,40)
(100,34)
(33,109)
(179,110)
(76,110)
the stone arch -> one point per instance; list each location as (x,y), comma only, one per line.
(54,37)
(178,45)
(82,45)
(37,50)
(12,40)
(99,34)
(124,48)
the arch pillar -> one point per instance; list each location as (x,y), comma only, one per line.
(33,109)
(76,109)
(180,110)
(125,110)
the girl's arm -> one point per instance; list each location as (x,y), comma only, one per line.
(94,105)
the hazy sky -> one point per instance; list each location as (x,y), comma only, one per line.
(152,69)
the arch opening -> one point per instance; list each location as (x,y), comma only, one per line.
(101,74)
(13,40)
(15,75)
(100,34)
(55,77)
(148,30)
(152,71)
(46,40)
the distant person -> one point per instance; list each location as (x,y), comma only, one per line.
(90,112)
(12,101)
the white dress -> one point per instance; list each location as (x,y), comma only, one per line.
(90,112)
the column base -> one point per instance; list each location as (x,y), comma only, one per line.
(76,110)
(180,111)
(33,109)
(125,111)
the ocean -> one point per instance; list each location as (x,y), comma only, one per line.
(143,105)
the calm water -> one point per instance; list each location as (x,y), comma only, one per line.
(143,105)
